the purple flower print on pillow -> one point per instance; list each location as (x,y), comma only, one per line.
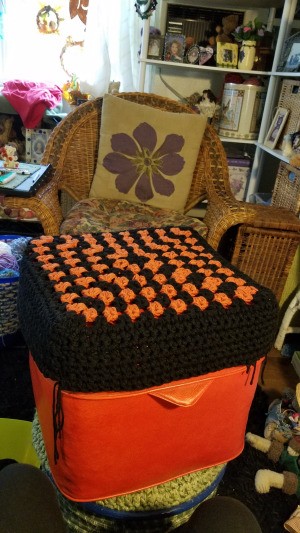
(136,161)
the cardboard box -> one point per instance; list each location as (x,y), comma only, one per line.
(239,173)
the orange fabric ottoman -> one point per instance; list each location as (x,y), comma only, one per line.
(145,347)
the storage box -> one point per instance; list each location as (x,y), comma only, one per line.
(114,443)
(239,173)
(241,110)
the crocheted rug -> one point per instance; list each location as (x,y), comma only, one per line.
(271,510)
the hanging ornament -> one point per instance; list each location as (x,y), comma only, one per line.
(70,56)
(80,8)
(48,20)
(145,8)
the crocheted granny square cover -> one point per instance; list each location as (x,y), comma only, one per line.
(129,310)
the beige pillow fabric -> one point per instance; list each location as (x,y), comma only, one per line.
(146,154)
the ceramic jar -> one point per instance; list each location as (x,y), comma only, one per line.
(247,55)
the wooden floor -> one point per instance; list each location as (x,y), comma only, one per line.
(278,374)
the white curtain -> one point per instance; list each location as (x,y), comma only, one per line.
(112,42)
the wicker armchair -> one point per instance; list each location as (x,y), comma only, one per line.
(260,240)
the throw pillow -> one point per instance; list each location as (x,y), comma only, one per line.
(146,154)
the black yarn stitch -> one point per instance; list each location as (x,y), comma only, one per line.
(135,354)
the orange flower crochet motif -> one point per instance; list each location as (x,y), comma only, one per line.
(246,293)
(223,299)
(156,309)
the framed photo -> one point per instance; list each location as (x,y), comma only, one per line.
(206,53)
(155,47)
(174,47)
(290,61)
(36,140)
(193,54)
(227,55)
(276,127)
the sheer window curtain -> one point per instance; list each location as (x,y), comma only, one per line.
(112,38)
(112,42)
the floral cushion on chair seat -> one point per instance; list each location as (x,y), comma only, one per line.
(95,215)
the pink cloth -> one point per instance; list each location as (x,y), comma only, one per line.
(31,99)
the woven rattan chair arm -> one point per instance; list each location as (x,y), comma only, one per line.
(224,212)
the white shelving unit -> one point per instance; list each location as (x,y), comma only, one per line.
(275,78)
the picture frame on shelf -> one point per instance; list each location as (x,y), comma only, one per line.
(276,127)
(155,47)
(193,55)
(174,47)
(227,55)
(206,53)
(290,61)
(36,140)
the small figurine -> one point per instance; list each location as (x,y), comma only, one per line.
(205,103)
(8,154)
(285,453)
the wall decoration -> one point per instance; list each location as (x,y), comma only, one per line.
(47,20)
(227,55)
(36,140)
(145,8)
(70,56)
(174,47)
(276,127)
(155,47)
(80,8)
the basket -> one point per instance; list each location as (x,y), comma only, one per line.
(290,99)
(287,188)
(9,321)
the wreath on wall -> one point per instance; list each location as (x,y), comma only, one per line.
(145,8)
(48,20)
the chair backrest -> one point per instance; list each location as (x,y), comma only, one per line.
(72,149)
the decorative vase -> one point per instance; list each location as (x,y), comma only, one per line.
(247,55)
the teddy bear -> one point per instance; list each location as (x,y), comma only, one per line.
(8,154)
(224,32)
